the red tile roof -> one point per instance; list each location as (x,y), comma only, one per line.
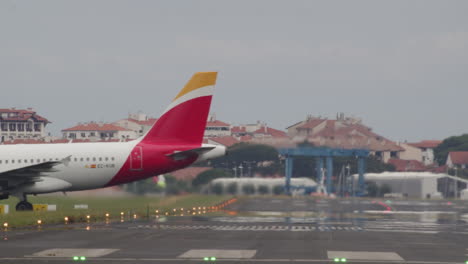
(311,123)
(96,127)
(270,131)
(148,122)
(189,173)
(22,115)
(225,141)
(245,138)
(238,129)
(407,165)
(342,134)
(23,141)
(459,157)
(426,144)
(217,123)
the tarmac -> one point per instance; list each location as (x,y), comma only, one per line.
(261,230)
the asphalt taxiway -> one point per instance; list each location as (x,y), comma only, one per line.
(262,230)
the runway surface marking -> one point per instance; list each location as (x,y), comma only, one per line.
(71,252)
(397,227)
(177,260)
(364,255)
(294,228)
(218,253)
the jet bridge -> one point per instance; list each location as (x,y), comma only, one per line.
(324,163)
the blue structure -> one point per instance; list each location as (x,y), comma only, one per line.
(321,155)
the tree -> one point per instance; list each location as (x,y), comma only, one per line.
(209,175)
(455,143)
(217,188)
(263,189)
(248,189)
(232,188)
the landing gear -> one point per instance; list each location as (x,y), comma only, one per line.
(24,205)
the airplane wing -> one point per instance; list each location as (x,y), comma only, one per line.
(33,172)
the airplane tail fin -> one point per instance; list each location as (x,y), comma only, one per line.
(184,121)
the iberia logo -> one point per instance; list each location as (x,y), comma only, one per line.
(92,166)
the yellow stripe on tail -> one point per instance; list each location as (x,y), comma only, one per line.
(199,80)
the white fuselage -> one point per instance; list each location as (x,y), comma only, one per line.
(91,165)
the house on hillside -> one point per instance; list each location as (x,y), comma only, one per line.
(457,159)
(21,124)
(98,132)
(140,123)
(216,128)
(344,132)
(427,150)
(407,165)
(223,141)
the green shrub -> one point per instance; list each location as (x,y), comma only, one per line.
(248,189)
(278,189)
(232,188)
(263,189)
(217,188)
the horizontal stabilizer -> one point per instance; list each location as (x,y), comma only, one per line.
(181,155)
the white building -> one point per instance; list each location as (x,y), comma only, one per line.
(216,128)
(296,183)
(140,123)
(421,185)
(427,150)
(457,159)
(98,131)
(21,124)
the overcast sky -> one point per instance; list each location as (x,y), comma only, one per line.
(401,66)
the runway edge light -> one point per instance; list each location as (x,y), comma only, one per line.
(336,259)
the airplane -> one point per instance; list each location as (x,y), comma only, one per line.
(172,143)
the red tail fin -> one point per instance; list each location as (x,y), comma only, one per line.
(184,121)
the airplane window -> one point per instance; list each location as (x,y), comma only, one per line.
(94,159)
(81,159)
(38,160)
(32,161)
(100,159)
(19,161)
(6,161)
(43,160)
(107,158)
(12,161)
(0,161)
(112,158)
(50,159)
(87,159)
(56,158)
(25,161)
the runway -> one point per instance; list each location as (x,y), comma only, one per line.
(262,230)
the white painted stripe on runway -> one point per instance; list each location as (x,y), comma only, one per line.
(218,253)
(177,260)
(71,252)
(364,255)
